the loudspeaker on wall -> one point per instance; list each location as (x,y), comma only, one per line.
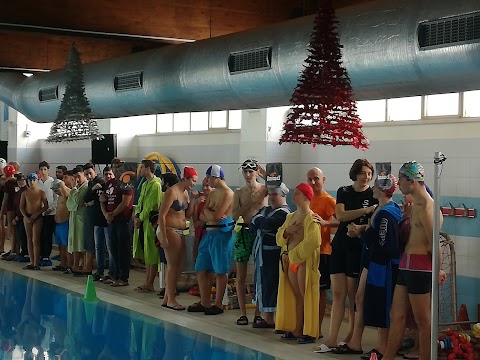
(103,151)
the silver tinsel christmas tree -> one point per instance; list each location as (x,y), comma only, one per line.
(74,120)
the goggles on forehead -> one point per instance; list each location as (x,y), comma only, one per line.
(249,164)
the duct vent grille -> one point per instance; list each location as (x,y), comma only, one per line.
(251,60)
(129,81)
(48,94)
(450,31)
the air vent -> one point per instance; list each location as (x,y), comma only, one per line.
(251,60)
(450,31)
(129,81)
(48,94)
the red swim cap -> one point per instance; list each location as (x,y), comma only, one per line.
(306,190)
(189,172)
(9,170)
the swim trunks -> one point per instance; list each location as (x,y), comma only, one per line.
(415,273)
(61,233)
(243,247)
(215,252)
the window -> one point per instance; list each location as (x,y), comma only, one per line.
(372,110)
(218,119)
(235,119)
(164,123)
(199,121)
(442,104)
(471,103)
(407,108)
(181,122)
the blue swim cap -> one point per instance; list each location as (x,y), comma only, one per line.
(215,171)
(32,176)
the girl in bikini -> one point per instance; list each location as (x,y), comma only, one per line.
(174,211)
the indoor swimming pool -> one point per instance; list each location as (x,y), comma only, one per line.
(42,321)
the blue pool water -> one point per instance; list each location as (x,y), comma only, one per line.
(41,321)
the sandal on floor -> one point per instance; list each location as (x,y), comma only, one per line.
(345,349)
(305,339)
(213,310)
(411,356)
(322,349)
(143,290)
(28,267)
(262,324)
(197,307)
(242,320)
(288,336)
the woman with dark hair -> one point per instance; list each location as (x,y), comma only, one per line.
(380,260)
(355,205)
(176,207)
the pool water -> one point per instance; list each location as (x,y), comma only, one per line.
(41,321)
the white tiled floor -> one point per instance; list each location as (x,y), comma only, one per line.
(221,326)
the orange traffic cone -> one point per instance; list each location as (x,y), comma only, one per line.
(463,316)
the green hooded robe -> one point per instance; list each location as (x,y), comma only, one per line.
(150,199)
(76,222)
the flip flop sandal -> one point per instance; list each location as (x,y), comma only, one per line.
(305,339)
(213,310)
(175,307)
(263,325)
(345,349)
(243,320)
(143,290)
(322,349)
(411,356)
(197,307)
(288,336)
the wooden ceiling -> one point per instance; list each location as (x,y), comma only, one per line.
(37,34)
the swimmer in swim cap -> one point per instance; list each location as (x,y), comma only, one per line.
(215,250)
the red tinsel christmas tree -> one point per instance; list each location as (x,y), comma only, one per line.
(323,111)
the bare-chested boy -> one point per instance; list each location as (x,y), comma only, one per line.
(215,250)
(247,201)
(414,282)
(32,204)
(62,216)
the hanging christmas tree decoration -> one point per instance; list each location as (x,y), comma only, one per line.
(323,110)
(74,119)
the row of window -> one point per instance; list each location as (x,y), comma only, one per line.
(466,104)
(199,121)
(455,105)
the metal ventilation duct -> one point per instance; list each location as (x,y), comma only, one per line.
(260,67)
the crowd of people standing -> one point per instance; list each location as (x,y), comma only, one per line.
(359,245)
